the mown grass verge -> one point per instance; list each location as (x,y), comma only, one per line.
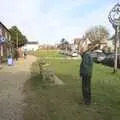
(64,102)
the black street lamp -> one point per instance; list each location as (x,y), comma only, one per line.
(114,19)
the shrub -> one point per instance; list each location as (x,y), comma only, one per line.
(41,74)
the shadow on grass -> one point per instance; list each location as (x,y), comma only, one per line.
(65,102)
(56,103)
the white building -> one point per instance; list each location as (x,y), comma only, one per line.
(110,45)
(31,46)
(81,43)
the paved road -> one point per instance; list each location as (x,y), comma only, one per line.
(12,81)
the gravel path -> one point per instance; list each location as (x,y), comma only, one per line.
(12,79)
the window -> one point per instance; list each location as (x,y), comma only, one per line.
(6,35)
(1,31)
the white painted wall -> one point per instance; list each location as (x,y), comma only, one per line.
(30,47)
(110,44)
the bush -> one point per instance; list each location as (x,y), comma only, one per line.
(40,73)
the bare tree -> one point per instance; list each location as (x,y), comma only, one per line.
(97,34)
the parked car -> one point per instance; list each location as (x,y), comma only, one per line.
(98,56)
(109,60)
(74,54)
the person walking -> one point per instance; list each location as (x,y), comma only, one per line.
(86,75)
(25,54)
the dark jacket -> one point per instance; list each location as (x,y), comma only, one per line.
(86,65)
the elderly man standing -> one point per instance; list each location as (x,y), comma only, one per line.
(86,75)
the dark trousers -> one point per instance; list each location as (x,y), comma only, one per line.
(86,88)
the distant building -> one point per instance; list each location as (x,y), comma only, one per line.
(81,43)
(31,46)
(48,46)
(5,36)
(110,44)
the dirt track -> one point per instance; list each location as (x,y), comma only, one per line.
(12,79)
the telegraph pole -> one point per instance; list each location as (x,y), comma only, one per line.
(116,48)
(114,19)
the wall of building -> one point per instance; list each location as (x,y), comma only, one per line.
(32,47)
(3,46)
(110,45)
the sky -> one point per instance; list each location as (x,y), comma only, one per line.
(48,21)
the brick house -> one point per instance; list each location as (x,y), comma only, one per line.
(4,39)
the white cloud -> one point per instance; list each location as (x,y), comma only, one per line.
(48,21)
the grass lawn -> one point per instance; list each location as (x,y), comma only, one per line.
(48,54)
(64,102)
